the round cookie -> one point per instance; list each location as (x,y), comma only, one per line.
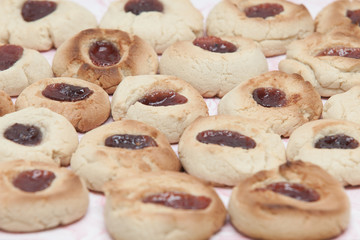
(39,196)
(160,22)
(223,150)
(282,100)
(84,104)
(37,134)
(299,201)
(273,24)
(165,102)
(20,67)
(208,68)
(331,144)
(122,148)
(104,57)
(170,205)
(42,25)
(6,104)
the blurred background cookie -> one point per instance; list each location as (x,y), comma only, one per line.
(6,104)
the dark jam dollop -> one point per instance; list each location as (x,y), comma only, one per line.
(226,138)
(215,44)
(339,141)
(341,52)
(269,97)
(27,135)
(34,10)
(66,92)
(34,180)
(130,141)
(354,16)
(139,6)
(9,55)
(264,10)
(179,200)
(163,98)
(104,54)
(294,190)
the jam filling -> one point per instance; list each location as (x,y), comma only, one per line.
(27,135)
(163,98)
(269,97)
(130,141)
(215,44)
(34,180)
(339,141)
(179,200)
(341,52)
(104,54)
(34,10)
(226,138)
(354,16)
(9,55)
(264,10)
(139,6)
(66,92)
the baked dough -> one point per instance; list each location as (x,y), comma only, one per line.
(263,214)
(64,201)
(223,164)
(228,18)
(171,120)
(97,163)
(180,20)
(214,74)
(6,104)
(126,213)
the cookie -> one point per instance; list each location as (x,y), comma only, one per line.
(41,25)
(284,101)
(273,24)
(170,205)
(274,204)
(39,196)
(331,144)
(122,148)
(104,57)
(37,134)
(20,67)
(165,102)
(160,23)
(223,150)
(6,104)
(212,65)
(84,104)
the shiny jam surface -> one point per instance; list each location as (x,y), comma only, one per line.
(269,97)
(341,52)
(104,54)
(9,55)
(264,10)
(179,200)
(339,141)
(66,92)
(34,180)
(163,98)
(139,6)
(354,16)
(214,44)
(27,135)
(130,141)
(226,138)
(294,190)
(34,10)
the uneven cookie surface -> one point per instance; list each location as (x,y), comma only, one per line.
(6,104)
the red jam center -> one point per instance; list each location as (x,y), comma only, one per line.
(34,10)
(179,200)
(341,52)
(339,141)
(27,135)
(264,10)
(163,98)
(104,53)
(226,138)
(269,97)
(354,16)
(130,141)
(215,44)
(34,180)
(66,92)
(294,190)
(139,6)
(9,55)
